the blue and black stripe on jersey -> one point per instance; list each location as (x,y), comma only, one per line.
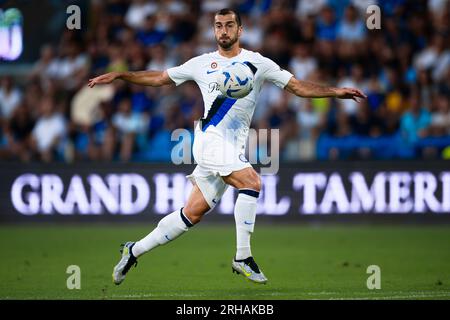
(218,110)
(251,66)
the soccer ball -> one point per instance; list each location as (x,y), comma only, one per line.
(235,80)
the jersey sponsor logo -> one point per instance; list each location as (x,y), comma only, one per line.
(211,71)
(213,86)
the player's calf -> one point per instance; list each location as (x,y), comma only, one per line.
(169,228)
(246,178)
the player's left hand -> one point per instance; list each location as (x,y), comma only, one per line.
(103,79)
(350,93)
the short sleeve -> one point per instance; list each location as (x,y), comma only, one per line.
(182,73)
(275,74)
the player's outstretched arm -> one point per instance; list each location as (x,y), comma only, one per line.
(146,78)
(307,89)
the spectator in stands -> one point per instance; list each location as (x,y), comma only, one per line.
(127,125)
(326,25)
(303,63)
(10,98)
(308,121)
(440,117)
(415,122)
(136,56)
(18,133)
(138,11)
(364,123)
(306,8)
(160,58)
(425,86)
(356,79)
(160,145)
(351,33)
(435,57)
(253,37)
(280,116)
(45,66)
(150,35)
(352,28)
(117,61)
(49,132)
(70,70)
(343,128)
(102,142)
(362,5)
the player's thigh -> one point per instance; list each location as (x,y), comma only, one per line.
(246,178)
(196,205)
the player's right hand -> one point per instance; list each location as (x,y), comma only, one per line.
(103,79)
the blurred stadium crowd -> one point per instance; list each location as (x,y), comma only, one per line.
(404,68)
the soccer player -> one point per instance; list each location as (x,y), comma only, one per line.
(219,155)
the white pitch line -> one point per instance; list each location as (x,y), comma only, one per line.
(190,295)
(410,296)
(394,295)
(297,297)
(361,295)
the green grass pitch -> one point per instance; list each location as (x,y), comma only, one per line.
(301,262)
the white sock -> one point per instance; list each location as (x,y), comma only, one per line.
(245,215)
(169,228)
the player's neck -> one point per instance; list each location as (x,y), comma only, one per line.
(232,52)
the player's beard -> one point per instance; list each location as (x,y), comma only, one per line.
(227,42)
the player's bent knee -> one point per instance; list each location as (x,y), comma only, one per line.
(196,207)
(254,182)
(258,183)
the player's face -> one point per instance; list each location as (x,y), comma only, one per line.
(226,30)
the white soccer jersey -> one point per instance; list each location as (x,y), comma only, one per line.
(225,113)
(221,135)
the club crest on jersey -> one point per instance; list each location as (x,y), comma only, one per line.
(213,65)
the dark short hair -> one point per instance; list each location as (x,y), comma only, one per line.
(225,11)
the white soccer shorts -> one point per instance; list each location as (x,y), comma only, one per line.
(215,158)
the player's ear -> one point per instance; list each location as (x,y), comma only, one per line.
(240,30)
